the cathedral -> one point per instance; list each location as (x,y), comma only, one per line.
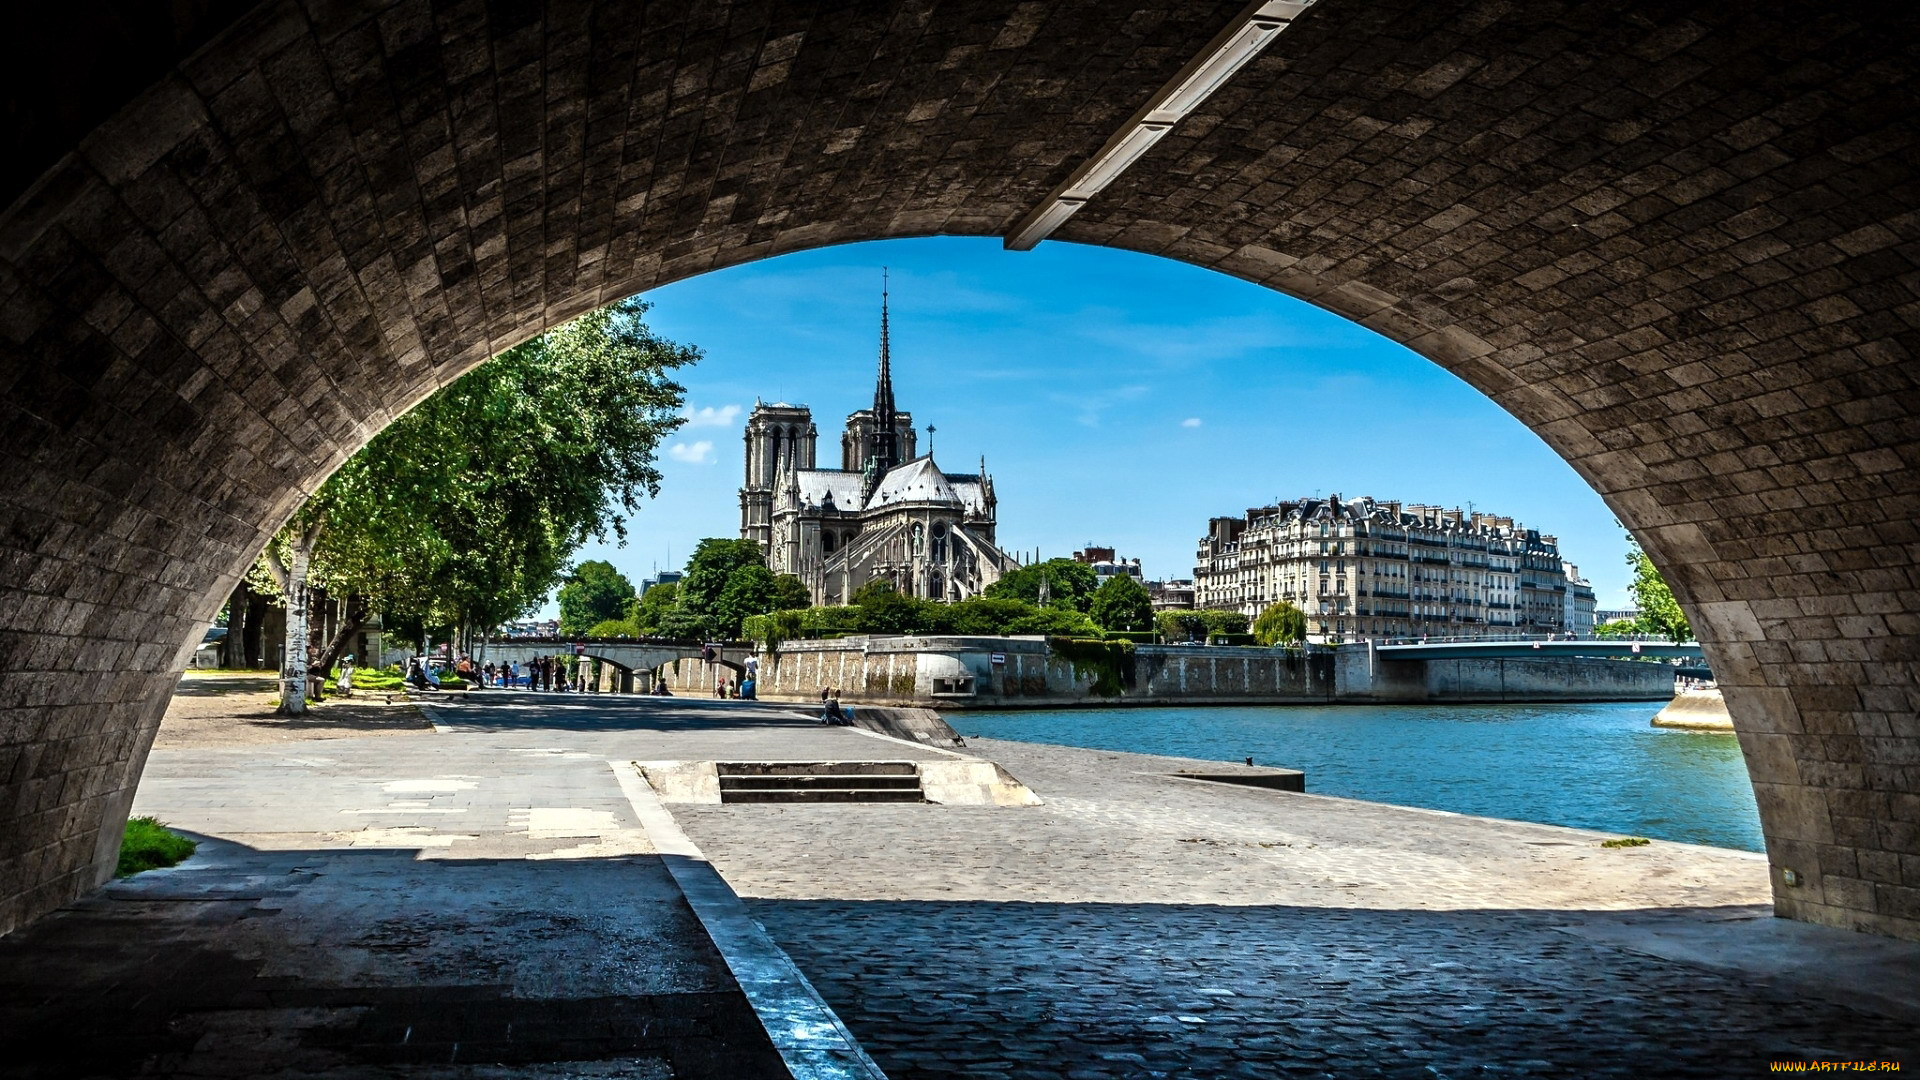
(883,515)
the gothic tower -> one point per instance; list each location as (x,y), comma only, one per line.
(780,439)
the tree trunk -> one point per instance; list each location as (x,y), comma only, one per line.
(233,650)
(292,579)
(353,617)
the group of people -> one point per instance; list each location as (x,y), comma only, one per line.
(540,673)
(746,688)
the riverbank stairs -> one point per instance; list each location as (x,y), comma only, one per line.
(819,782)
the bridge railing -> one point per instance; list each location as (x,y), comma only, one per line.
(1490,639)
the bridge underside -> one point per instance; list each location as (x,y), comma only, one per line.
(1676,239)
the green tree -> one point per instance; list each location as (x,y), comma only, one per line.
(464,512)
(749,591)
(1281,624)
(1659,612)
(885,610)
(1223,622)
(1054,621)
(613,628)
(1122,603)
(682,625)
(1179,626)
(1064,583)
(713,564)
(595,592)
(987,614)
(651,608)
(790,593)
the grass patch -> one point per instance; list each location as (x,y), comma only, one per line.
(149,846)
(1626,841)
(371,679)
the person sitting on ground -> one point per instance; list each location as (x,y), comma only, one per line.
(346,675)
(834,715)
(417,676)
(660,690)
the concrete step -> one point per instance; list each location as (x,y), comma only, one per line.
(822,795)
(810,782)
(816,768)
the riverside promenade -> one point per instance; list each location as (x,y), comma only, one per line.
(499,894)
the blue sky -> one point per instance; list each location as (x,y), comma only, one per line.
(1120,399)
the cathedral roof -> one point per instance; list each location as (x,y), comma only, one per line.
(817,485)
(918,481)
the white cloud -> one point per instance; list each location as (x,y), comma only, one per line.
(1191,421)
(708,416)
(695,453)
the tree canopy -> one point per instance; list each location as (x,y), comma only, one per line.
(594,593)
(464,511)
(1066,583)
(1281,624)
(1659,612)
(1122,603)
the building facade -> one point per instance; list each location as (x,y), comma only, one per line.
(1363,569)
(1107,564)
(1579,615)
(884,515)
(1175,594)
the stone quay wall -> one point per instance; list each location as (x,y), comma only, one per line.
(954,672)
(1510,679)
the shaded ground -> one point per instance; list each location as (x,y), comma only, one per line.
(221,709)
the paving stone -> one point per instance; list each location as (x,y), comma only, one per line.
(1676,241)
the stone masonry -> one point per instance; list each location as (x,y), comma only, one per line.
(1676,239)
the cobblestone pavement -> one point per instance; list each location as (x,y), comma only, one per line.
(476,904)
(1139,926)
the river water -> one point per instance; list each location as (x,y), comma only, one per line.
(1592,766)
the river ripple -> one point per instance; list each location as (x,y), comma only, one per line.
(1590,766)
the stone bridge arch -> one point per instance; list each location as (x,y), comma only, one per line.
(630,657)
(1676,239)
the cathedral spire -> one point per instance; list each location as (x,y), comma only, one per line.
(883,385)
(885,453)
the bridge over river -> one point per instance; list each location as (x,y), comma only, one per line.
(1537,648)
(628,656)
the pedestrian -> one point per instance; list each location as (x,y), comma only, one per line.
(512,673)
(346,675)
(832,714)
(487,675)
(720,687)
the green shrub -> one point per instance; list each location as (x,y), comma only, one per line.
(148,845)
(1138,637)
(1110,662)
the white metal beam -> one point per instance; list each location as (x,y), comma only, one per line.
(1228,52)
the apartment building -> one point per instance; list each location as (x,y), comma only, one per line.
(1365,569)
